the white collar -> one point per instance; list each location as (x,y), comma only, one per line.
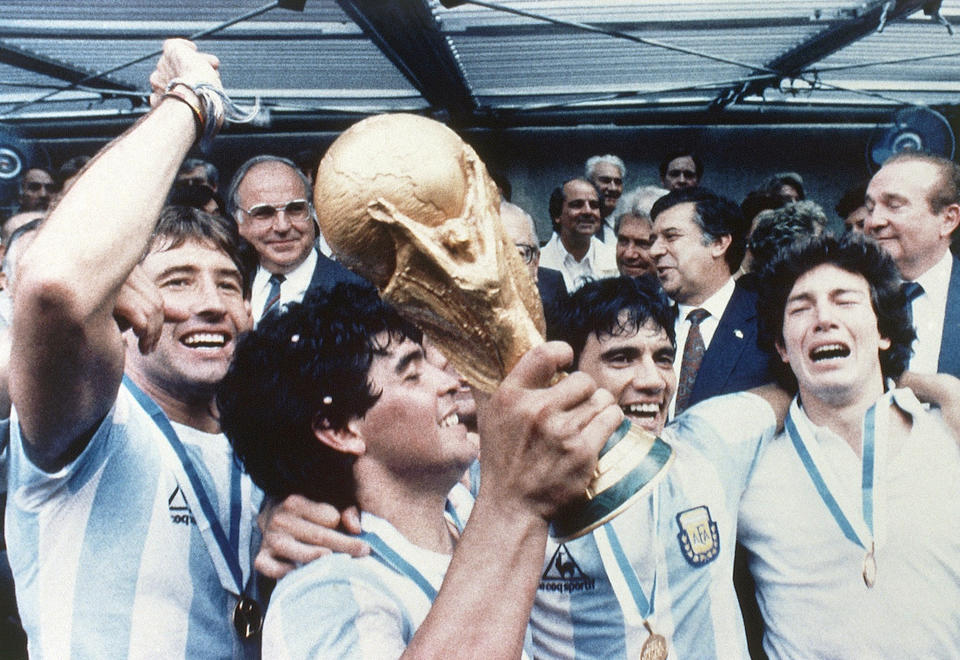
(715,304)
(297,279)
(937,278)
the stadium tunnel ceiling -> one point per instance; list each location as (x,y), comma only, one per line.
(323,64)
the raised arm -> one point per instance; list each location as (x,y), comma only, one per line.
(67,355)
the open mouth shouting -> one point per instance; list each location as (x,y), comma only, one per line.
(831,351)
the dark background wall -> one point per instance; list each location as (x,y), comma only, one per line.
(829,157)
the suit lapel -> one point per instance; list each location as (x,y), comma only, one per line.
(950,339)
(734,332)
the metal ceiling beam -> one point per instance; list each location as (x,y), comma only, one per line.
(840,35)
(24,59)
(409,36)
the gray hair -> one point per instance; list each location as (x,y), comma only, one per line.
(233,204)
(593,161)
(637,202)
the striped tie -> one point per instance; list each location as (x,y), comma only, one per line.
(273,298)
(693,350)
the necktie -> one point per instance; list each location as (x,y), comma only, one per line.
(273,298)
(912,291)
(693,351)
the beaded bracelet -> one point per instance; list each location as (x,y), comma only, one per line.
(197,113)
(216,107)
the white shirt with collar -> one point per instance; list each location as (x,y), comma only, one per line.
(929,309)
(291,290)
(716,305)
(809,573)
(599,262)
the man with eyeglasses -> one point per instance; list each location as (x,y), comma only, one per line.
(269,197)
(573,249)
(518,225)
(36,189)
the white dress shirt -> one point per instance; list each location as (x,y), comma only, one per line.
(929,309)
(292,289)
(599,262)
(716,305)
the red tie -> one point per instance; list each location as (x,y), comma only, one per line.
(693,351)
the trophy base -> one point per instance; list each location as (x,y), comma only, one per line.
(630,464)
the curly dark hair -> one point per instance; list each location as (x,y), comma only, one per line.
(855,254)
(781,227)
(597,308)
(310,361)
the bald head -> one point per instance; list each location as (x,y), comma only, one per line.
(519,228)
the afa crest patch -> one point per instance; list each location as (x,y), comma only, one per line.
(699,537)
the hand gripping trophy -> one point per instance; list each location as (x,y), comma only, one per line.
(403,201)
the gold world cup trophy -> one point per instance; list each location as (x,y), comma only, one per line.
(406,203)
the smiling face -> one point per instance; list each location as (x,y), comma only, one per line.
(637,368)
(609,179)
(691,268)
(580,214)
(900,218)
(633,246)
(205,311)
(413,428)
(830,336)
(284,240)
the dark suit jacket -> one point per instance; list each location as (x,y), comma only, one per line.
(734,361)
(328,273)
(552,292)
(950,339)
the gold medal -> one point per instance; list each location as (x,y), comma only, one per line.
(655,648)
(247,618)
(870,569)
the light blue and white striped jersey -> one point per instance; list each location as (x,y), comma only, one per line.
(107,553)
(344,607)
(679,539)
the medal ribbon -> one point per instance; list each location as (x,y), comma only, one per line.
(623,578)
(392,559)
(810,464)
(229,548)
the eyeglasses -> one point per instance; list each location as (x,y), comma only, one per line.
(527,252)
(36,186)
(295,210)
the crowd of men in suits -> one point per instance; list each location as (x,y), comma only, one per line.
(131,529)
